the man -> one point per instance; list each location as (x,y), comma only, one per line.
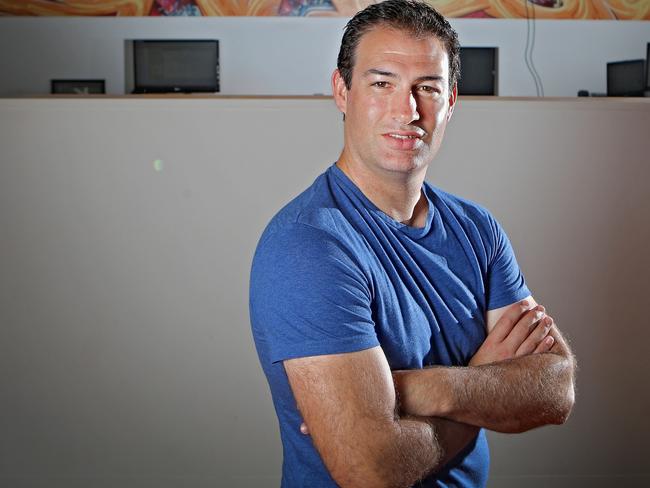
(372,276)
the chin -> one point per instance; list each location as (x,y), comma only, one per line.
(410,165)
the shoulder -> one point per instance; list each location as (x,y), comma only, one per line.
(314,215)
(310,236)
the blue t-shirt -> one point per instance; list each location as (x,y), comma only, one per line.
(333,274)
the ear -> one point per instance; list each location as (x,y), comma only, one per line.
(339,91)
(452,101)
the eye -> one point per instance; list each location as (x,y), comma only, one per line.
(380,84)
(427,89)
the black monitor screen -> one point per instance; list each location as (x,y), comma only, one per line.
(478,71)
(176,66)
(626,78)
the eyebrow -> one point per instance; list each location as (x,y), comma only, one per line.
(374,71)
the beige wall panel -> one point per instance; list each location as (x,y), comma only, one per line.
(126,357)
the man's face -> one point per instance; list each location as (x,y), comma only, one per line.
(399,102)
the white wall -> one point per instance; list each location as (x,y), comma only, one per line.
(295,56)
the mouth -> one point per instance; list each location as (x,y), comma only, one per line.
(400,136)
(405,140)
(406,134)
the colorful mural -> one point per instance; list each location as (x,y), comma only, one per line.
(543,9)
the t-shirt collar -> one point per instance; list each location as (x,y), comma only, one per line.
(414,232)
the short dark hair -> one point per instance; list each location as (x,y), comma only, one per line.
(414,16)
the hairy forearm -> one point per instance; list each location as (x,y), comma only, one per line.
(514,395)
(451,436)
(407,450)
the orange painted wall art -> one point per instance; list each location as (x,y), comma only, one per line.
(499,9)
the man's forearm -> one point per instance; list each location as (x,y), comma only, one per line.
(514,395)
(452,437)
(411,450)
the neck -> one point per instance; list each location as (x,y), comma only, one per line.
(398,195)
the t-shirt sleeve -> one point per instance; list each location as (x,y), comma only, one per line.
(506,283)
(308,295)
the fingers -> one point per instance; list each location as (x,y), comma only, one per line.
(545,345)
(538,339)
(523,328)
(508,320)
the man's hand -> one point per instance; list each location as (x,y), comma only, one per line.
(520,330)
(506,387)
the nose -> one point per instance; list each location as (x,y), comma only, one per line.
(405,107)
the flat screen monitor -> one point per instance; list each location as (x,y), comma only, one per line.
(478,71)
(168,66)
(626,78)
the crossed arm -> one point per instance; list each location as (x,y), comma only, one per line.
(349,401)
